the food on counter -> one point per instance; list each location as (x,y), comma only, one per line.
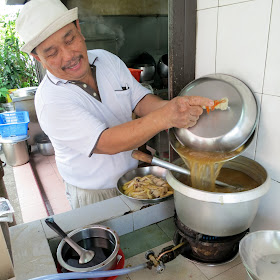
(218,104)
(147,187)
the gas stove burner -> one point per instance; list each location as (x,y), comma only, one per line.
(189,252)
(206,249)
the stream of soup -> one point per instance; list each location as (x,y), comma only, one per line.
(206,167)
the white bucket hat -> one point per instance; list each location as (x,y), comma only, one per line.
(39,19)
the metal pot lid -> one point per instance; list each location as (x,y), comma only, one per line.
(220,131)
(13,139)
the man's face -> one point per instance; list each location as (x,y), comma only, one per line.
(64,54)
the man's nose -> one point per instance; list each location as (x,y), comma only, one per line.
(67,53)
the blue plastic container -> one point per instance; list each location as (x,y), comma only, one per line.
(14,123)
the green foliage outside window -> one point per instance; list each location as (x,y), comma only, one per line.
(16,68)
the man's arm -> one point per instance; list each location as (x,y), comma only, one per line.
(149,104)
(157,115)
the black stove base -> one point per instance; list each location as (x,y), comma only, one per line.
(188,253)
(205,249)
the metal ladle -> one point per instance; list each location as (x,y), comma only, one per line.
(85,255)
(158,162)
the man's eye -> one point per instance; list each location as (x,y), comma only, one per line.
(52,54)
(70,41)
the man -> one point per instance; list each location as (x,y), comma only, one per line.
(85,103)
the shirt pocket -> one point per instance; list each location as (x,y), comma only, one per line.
(124,100)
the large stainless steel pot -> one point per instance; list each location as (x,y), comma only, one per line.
(220,214)
(98,236)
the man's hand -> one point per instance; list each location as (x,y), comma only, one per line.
(184,111)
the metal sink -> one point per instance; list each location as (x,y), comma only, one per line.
(23,93)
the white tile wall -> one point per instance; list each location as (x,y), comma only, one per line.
(251,150)
(268,144)
(205,4)
(121,225)
(230,2)
(87,215)
(242,41)
(153,214)
(133,205)
(248,44)
(272,71)
(268,215)
(206,42)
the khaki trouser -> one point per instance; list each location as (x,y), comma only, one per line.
(81,197)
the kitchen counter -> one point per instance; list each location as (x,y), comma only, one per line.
(140,226)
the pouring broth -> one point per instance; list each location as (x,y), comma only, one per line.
(206,167)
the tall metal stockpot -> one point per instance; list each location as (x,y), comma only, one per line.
(220,214)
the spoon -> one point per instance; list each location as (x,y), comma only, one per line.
(85,255)
(159,162)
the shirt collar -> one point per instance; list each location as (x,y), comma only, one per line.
(91,59)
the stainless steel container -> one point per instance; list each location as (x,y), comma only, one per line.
(98,236)
(220,214)
(148,72)
(15,150)
(162,66)
(23,100)
(45,148)
(44,145)
(260,254)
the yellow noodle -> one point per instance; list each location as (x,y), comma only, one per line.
(144,187)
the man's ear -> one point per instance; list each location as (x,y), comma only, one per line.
(78,25)
(79,28)
(36,57)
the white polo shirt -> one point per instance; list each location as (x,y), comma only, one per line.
(74,120)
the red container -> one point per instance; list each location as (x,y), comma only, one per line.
(135,73)
(119,265)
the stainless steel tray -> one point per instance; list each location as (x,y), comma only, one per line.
(143,171)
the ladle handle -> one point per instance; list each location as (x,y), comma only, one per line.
(158,162)
(51,223)
(142,156)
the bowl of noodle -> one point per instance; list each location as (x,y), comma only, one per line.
(145,184)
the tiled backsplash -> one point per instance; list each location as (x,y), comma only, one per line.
(240,38)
